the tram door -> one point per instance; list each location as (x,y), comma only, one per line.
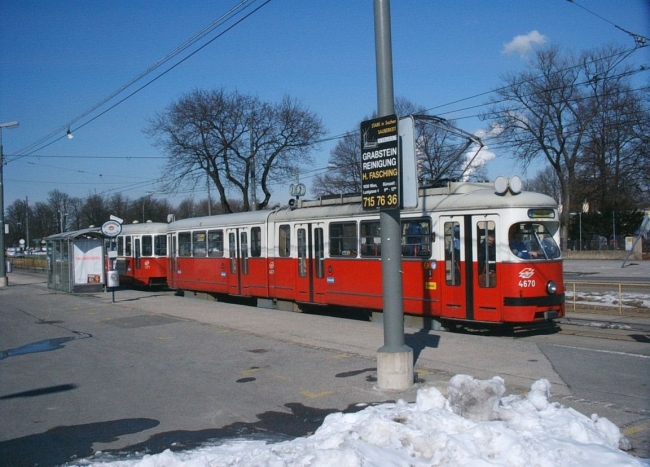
(310,280)
(137,253)
(454,296)
(486,278)
(172,263)
(239,255)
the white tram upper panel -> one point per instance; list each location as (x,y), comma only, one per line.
(456,197)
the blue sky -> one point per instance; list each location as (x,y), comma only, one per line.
(60,59)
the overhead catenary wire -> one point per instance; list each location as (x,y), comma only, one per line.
(639,40)
(487,139)
(323,140)
(240,7)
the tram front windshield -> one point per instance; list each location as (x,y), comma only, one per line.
(532,241)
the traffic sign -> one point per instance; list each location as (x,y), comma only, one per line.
(380,164)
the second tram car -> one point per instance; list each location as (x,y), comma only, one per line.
(141,254)
(469,253)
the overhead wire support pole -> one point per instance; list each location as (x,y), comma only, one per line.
(3,258)
(394,359)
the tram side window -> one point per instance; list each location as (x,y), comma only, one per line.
(160,245)
(184,244)
(486,238)
(199,249)
(370,235)
(256,242)
(243,236)
(284,241)
(215,243)
(110,244)
(416,238)
(452,253)
(147,245)
(120,246)
(343,239)
(127,245)
(302,252)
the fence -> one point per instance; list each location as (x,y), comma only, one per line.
(624,299)
(34,263)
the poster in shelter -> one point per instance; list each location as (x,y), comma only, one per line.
(88,264)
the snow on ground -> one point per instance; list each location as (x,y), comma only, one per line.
(475,425)
(626,300)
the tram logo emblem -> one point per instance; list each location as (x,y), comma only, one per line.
(526,273)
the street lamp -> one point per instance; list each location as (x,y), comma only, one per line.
(3,259)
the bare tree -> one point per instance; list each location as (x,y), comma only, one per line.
(61,205)
(344,174)
(118,205)
(439,147)
(546,182)
(44,222)
(94,211)
(570,112)
(544,113)
(17,218)
(613,169)
(186,209)
(241,143)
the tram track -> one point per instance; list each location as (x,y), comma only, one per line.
(607,331)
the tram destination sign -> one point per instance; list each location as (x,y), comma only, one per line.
(380,164)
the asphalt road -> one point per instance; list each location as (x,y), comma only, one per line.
(595,270)
(154,371)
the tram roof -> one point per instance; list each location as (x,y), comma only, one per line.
(486,198)
(144,227)
(221,220)
(452,197)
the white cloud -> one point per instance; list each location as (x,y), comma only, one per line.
(524,43)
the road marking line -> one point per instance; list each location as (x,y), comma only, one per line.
(634,429)
(313,395)
(601,351)
(249,371)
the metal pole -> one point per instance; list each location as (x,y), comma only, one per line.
(27,222)
(580,224)
(394,359)
(614,230)
(253,174)
(3,257)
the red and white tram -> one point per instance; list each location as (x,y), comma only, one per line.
(470,253)
(141,253)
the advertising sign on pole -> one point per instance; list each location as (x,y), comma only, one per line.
(380,164)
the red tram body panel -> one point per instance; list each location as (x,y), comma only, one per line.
(141,254)
(469,254)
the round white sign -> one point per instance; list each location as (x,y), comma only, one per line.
(111,228)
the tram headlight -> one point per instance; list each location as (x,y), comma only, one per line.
(551,287)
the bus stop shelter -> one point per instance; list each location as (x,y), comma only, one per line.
(75,261)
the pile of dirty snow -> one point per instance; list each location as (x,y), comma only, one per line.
(475,425)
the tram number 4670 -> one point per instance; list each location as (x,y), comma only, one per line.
(527,283)
(378,201)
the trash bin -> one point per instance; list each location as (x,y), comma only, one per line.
(8,266)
